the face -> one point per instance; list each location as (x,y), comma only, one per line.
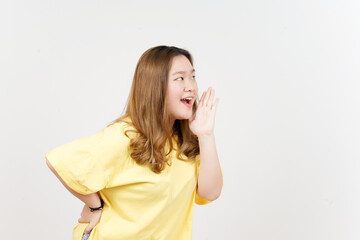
(182,88)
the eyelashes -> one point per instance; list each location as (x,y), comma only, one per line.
(181,78)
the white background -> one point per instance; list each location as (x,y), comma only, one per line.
(286,72)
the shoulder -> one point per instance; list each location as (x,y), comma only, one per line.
(120,129)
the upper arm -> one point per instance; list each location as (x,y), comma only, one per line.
(49,165)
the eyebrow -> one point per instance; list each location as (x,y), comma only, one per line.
(182,72)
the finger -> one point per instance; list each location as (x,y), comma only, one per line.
(89,227)
(211,98)
(81,220)
(202,99)
(206,97)
(214,106)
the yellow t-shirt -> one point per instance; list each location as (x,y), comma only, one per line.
(138,203)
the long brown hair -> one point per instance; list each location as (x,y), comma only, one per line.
(149,115)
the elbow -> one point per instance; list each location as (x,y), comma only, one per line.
(49,165)
(210,193)
(210,196)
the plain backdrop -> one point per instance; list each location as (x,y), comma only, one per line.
(287,127)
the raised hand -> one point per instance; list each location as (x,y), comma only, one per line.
(204,120)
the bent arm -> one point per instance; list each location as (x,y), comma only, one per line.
(92,200)
(210,179)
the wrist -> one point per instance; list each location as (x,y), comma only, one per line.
(206,136)
(98,208)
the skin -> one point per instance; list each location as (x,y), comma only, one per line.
(210,179)
(181,84)
(91,200)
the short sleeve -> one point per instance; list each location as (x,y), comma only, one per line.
(198,199)
(85,164)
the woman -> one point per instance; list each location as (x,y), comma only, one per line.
(140,176)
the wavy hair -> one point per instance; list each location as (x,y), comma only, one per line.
(147,109)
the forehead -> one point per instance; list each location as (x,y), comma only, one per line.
(180,63)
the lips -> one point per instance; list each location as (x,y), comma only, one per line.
(187,98)
(188,101)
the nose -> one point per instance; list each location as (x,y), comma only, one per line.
(189,86)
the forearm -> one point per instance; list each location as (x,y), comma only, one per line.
(91,200)
(210,179)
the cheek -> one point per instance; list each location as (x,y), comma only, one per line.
(172,94)
(175,90)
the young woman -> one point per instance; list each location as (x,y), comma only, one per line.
(140,176)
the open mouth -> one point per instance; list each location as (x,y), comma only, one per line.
(187,101)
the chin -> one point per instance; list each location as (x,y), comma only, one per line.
(183,117)
(186,118)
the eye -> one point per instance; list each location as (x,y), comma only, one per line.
(193,77)
(180,78)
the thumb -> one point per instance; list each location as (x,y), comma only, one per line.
(89,227)
(192,118)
